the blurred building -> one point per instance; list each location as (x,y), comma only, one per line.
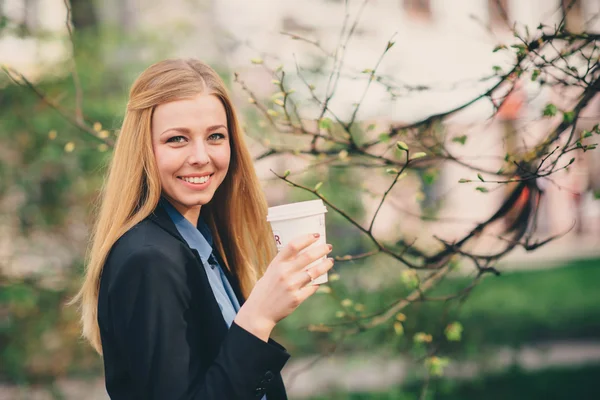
(441,49)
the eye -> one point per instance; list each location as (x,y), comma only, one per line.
(216,136)
(176,139)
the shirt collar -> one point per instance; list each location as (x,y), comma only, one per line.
(197,237)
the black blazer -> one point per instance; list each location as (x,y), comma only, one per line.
(163,334)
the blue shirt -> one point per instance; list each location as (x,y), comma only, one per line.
(200,239)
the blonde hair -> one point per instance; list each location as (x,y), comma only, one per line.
(132,190)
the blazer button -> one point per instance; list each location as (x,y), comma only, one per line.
(269,376)
(258,392)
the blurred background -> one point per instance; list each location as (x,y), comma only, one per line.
(415,70)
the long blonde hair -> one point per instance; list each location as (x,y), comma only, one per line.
(132,190)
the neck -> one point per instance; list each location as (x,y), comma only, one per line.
(192,214)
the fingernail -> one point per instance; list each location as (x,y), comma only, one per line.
(330,247)
(331,259)
(316,235)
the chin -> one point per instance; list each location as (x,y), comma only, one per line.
(195,202)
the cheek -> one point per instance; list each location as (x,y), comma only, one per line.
(223,157)
(165,161)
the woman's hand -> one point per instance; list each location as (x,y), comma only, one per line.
(284,286)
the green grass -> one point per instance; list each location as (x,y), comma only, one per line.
(551,384)
(511,309)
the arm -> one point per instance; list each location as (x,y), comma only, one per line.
(148,302)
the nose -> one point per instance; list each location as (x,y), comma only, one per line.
(198,154)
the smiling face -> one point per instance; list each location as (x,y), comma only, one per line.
(191,146)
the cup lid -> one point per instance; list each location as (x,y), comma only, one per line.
(296,210)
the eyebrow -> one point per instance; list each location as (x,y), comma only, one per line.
(188,131)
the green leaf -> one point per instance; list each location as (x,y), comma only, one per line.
(391,171)
(480,178)
(506,157)
(436,365)
(460,139)
(481,189)
(325,123)
(497,69)
(454,331)
(422,337)
(367,71)
(389,45)
(286,173)
(597,194)
(535,74)
(410,278)
(596,129)
(568,116)
(318,186)
(500,171)
(256,60)
(279,102)
(418,155)
(398,328)
(401,145)
(499,47)
(3,22)
(371,127)
(384,137)
(346,303)
(586,134)
(430,176)
(520,49)
(463,180)
(550,110)
(276,82)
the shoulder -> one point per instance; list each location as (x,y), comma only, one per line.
(146,253)
(147,239)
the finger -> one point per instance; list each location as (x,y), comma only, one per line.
(321,268)
(310,255)
(298,244)
(307,291)
(306,276)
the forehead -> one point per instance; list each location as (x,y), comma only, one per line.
(195,113)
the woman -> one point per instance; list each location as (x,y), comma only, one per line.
(171,297)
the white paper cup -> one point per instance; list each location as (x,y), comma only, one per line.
(292,220)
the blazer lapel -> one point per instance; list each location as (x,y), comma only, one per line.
(160,217)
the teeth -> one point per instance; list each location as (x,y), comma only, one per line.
(196,179)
